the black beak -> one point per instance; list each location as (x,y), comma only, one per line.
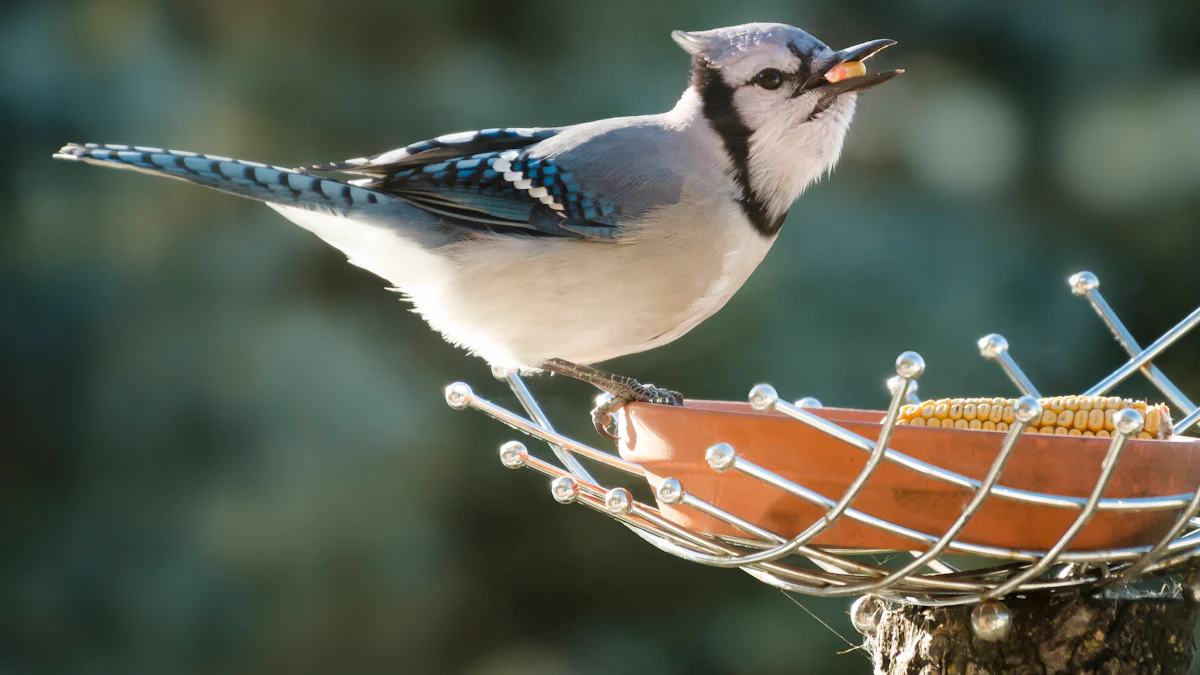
(860,52)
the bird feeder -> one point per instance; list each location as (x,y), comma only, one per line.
(999,529)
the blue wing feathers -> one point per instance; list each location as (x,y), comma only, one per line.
(529,192)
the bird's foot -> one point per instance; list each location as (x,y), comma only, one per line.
(631,391)
(621,389)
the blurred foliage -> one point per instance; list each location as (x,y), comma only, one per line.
(226,449)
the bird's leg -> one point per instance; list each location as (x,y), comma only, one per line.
(622,389)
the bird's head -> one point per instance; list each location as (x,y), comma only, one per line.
(781,100)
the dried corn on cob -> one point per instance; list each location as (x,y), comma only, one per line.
(1090,416)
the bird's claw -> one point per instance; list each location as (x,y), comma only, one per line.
(602,414)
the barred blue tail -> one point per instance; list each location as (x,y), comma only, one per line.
(247,179)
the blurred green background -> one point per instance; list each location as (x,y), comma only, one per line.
(226,449)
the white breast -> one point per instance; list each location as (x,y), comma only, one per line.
(519,301)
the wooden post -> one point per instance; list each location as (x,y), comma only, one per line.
(1066,634)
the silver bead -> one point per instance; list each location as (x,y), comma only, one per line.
(992,346)
(1083,283)
(500,372)
(763,397)
(910,365)
(564,489)
(513,454)
(618,501)
(720,456)
(991,621)
(670,491)
(808,402)
(1027,409)
(459,395)
(1128,421)
(865,614)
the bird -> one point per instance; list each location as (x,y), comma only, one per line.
(556,248)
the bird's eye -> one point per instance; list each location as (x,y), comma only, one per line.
(768,78)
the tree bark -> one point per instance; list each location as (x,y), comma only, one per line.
(1060,635)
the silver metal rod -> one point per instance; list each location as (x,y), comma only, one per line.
(1089,286)
(835,512)
(1166,503)
(517,384)
(1107,468)
(537,431)
(1161,547)
(1017,375)
(968,512)
(1187,422)
(837,565)
(656,525)
(1146,355)
(995,348)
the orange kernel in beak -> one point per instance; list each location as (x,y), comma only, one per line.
(845,71)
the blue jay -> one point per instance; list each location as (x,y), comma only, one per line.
(548,249)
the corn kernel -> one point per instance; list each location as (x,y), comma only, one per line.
(1007,417)
(1081,419)
(941,411)
(1108,419)
(975,425)
(927,410)
(919,422)
(1071,403)
(1089,434)
(1065,418)
(1049,418)
(1075,432)
(846,70)
(969,411)
(1060,431)
(983,411)
(1143,436)
(1153,421)
(1095,419)
(989,426)
(1103,434)
(1001,426)
(933,423)
(956,411)
(1085,402)
(960,424)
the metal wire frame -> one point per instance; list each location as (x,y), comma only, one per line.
(840,573)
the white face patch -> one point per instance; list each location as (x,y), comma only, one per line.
(739,69)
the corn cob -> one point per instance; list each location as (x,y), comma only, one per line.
(1088,416)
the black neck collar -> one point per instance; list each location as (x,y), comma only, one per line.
(717,99)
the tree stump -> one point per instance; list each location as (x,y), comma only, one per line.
(1066,634)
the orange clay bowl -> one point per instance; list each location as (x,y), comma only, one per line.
(669,442)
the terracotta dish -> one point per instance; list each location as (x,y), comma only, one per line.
(670,442)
